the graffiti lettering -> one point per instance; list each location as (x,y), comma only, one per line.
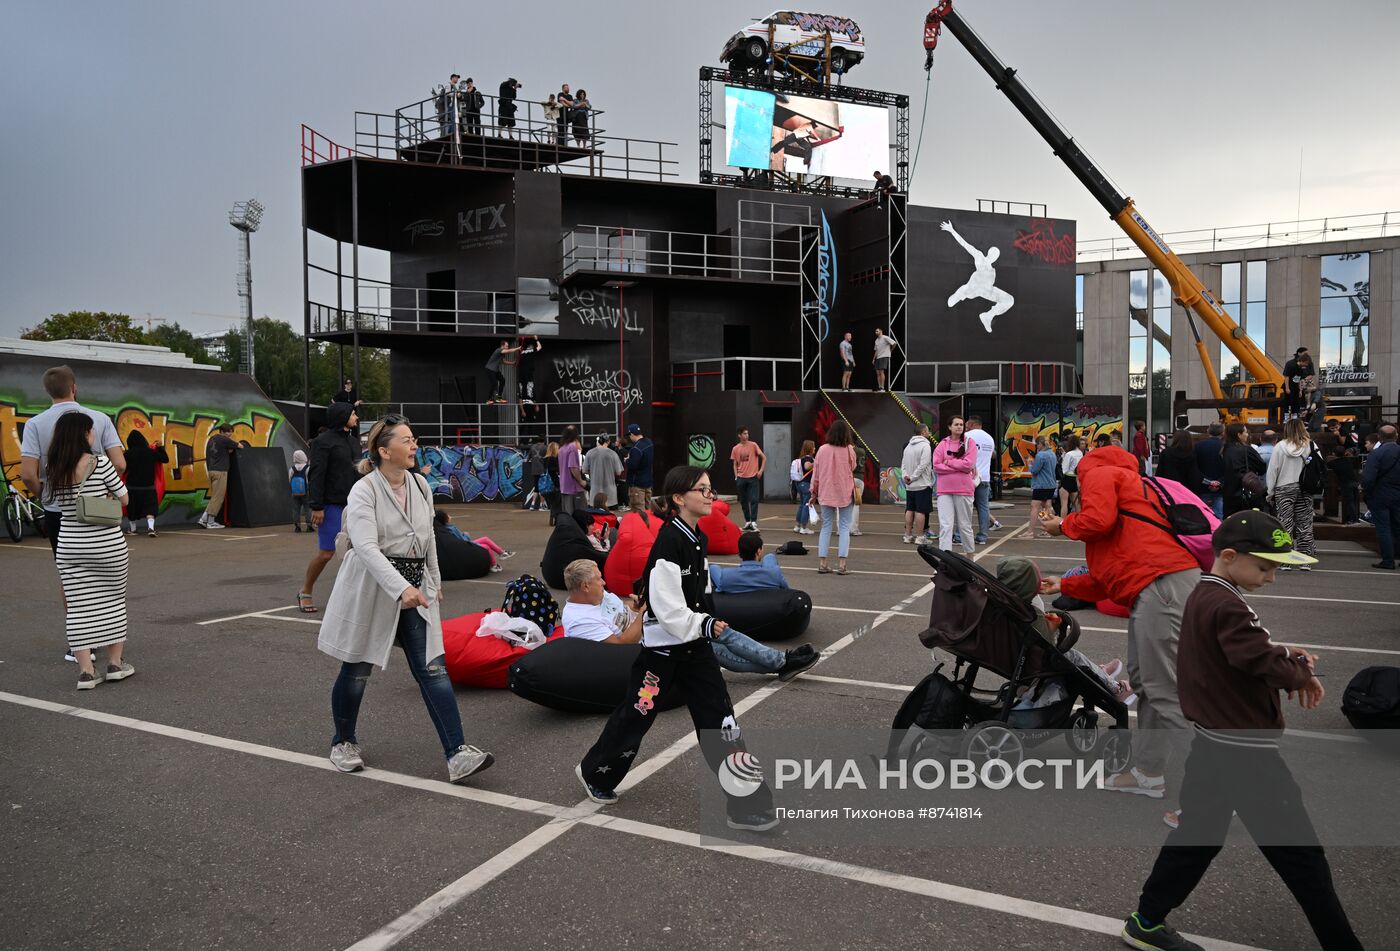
(826,278)
(186,478)
(1042,418)
(817,23)
(580,383)
(594,310)
(468,473)
(700,450)
(1042,242)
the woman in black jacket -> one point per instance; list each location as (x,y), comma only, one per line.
(1238,459)
(676,656)
(141,461)
(1178,462)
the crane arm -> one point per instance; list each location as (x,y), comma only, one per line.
(1185,286)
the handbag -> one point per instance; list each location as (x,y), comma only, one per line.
(104,510)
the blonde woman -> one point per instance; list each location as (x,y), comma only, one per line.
(388,591)
(1283,479)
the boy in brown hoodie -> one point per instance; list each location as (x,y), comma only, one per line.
(1229,674)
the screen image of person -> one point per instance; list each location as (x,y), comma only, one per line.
(799,135)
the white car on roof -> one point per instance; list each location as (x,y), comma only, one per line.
(797,34)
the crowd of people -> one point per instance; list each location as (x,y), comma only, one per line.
(460,105)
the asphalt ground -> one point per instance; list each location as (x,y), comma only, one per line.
(193,803)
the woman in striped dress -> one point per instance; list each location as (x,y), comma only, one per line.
(92,559)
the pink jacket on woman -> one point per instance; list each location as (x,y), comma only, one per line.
(832,481)
(954,474)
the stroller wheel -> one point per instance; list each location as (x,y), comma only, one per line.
(989,741)
(1083,734)
(1117,750)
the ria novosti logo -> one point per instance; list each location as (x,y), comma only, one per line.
(740,774)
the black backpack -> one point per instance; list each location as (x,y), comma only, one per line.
(1314,476)
(1372,699)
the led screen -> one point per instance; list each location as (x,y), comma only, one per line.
(801,136)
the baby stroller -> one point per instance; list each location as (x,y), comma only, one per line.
(987,626)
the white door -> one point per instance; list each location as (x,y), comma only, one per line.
(777,446)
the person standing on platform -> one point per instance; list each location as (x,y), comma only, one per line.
(955,467)
(525,381)
(347,394)
(1298,375)
(505,105)
(494,364)
(565,101)
(848,361)
(448,106)
(582,112)
(883,186)
(982,492)
(676,657)
(641,459)
(572,481)
(335,455)
(218,451)
(883,349)
(472,101)
(141,461)
(748,460)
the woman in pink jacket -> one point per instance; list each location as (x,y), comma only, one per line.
(833,488)
(955,464)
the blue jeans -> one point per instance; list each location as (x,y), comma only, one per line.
(830,514)
(1216,501)
(744,655)
(432,679)
(1386,518)
(982,498)
(748,498)
(804,496)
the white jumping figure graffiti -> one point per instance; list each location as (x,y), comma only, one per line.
(983,281)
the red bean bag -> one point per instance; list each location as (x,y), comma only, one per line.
(1111,608)
(723,534)
(479,661)
(628,558)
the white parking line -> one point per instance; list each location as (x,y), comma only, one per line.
(237,617)
(564,818)
(823,607)
(1312,647)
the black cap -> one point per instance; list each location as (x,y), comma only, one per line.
(633,429)
(1253,532)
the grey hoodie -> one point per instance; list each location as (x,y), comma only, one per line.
(1286,465)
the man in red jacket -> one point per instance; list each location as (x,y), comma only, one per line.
(1145,568)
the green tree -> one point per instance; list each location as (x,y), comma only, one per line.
(86,325)
(180,340)
(277,364)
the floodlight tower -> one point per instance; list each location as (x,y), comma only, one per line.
(246,216)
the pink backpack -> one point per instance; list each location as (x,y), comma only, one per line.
(1184,516)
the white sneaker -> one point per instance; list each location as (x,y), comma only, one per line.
(212,524)
(466,761)
(908,539)
(347,758)
(1138,783)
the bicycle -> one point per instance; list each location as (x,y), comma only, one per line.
(18,508)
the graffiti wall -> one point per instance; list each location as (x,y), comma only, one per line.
(176,407)
(1025,419)
(700,450)
(473,473)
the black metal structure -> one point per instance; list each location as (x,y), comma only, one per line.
(775,181)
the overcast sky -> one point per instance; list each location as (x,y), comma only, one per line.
(129,129)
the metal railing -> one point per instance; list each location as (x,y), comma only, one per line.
(676,253)
(419,133)
(395,308)
(1303,231)
(737,373)
(316,148)
(1041,378)
(496,423)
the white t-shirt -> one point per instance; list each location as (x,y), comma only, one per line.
(1070,462)
(986,448)
(596,622)
(38,433)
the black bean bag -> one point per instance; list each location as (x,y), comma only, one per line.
(459,560)
(580,676)
(775,614)
(567,543)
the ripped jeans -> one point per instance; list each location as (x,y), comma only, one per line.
(432,680)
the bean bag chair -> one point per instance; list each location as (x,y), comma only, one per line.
(1085,589)
(459,560)
(567,543)
(580,676)
(479,661)
(628,558)
(1111,608)
(723,534)
(777,614)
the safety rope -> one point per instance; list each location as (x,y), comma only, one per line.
(904,406)
(855,432)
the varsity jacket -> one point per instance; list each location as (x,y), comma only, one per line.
(1228,670)
(677,589)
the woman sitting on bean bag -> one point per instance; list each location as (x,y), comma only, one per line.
(568,543)
(459,560)
(628,558)
(722,534)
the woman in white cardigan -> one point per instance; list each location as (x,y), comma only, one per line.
(388,589)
